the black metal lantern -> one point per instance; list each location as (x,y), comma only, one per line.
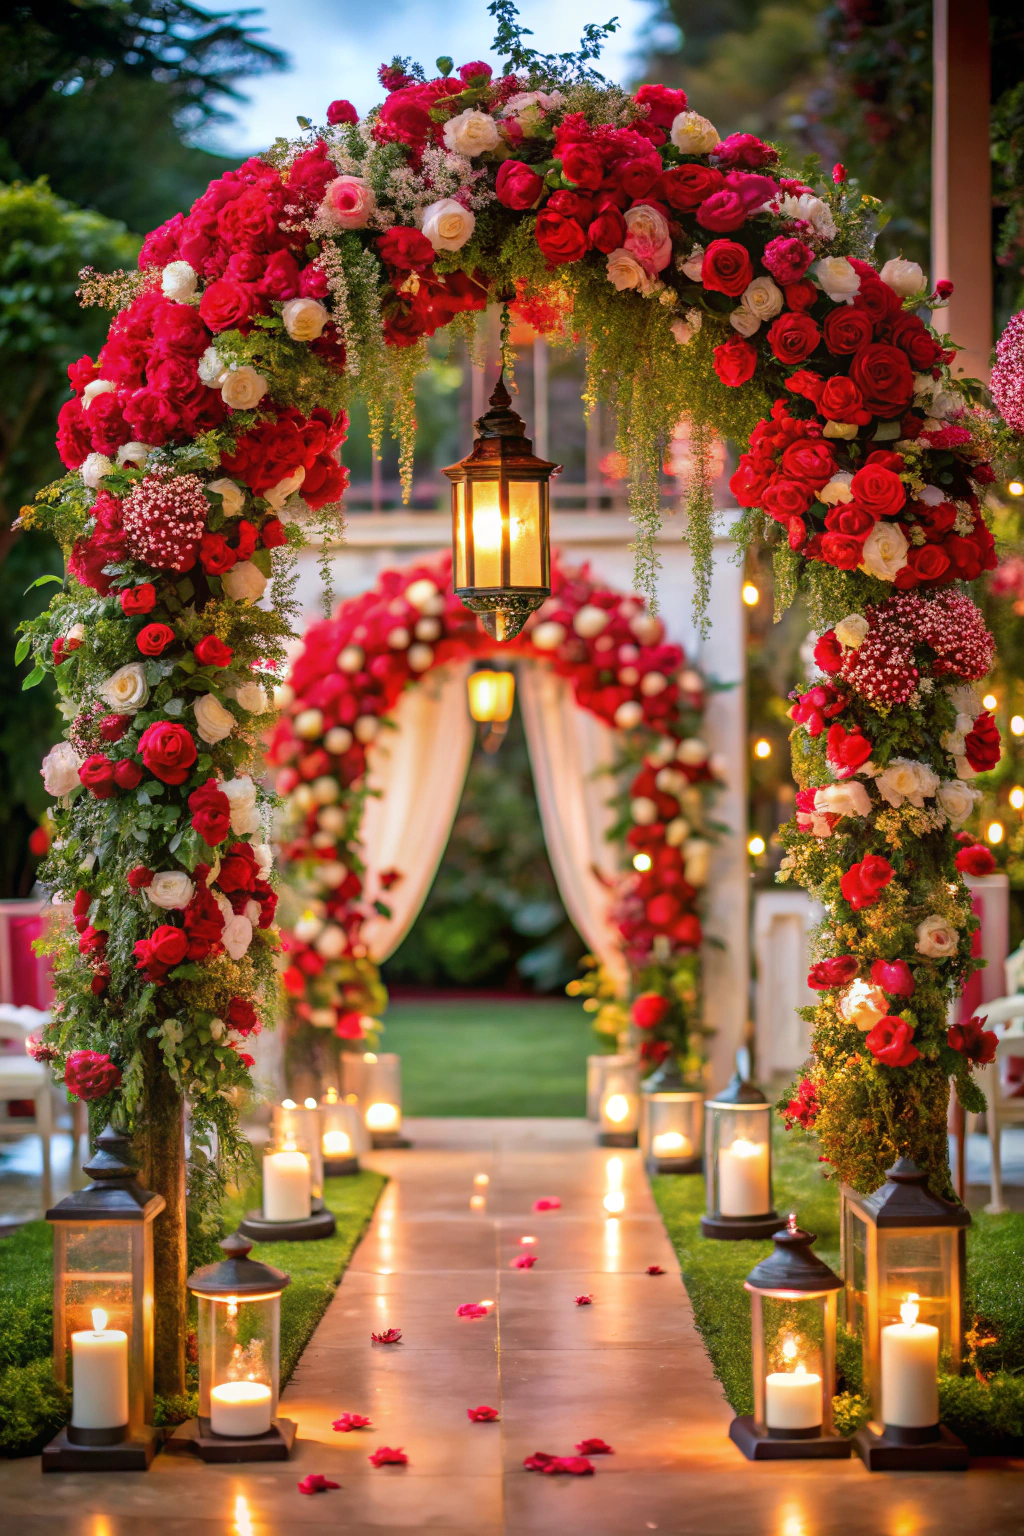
(671,1121)
(738,1163)
(793,1337)
(501,556)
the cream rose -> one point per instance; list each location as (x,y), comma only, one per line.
(692,752)
(884,551)
(60,769)
(904,277)
(849,799)
(903,779)
(471,133)
(643,810)
(697,861)
(625,272)
(232,497)
(629,715)
(172,890)
(133,453)
(211,368)
(447,224)
(213,721)
(846,430)
(251,696)
(93,469)
(812,210)
(837,278)
(308,724)
(243,388)
(647,223)
(685,327)
(126,690)
(348,203)
(837,492)
(330,944)
(763,298)
(97,387)
(957,800)
(244,582)
(237,936)
(863,1004)
(852,631)
(548,635)
(279,493)
(422,593)
(242,794)
(692,134)
(179,281)
(304,319)
(936,938)
(264,856)
(744,322)
(966,700)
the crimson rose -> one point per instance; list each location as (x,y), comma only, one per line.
(165,948)
(842,550)
(136,601)
(863,883)
(793,337)
(664,104)
(735,361)
(168,751)
(893,976)
(608,231)
(97,774)
(212,652)
(891,1042)
(211,812)
(648,1010)
(686,186)
(727,269)
(90,1075)
(981,744)
(154,639)
(975,860)
(828,653)
(583,165)
(841,400)
(973,1041)
(127,774)
(560,239)
(241,1016)
(833,973)
(518,185)
(884,377)
(846,329)
(406,249)
(226,305)
(878,491)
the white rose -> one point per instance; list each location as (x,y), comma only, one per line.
(179,281)
(884,551)
(232,497)
(308,724)
(366,728)
(904,277)
(965,769)
(420,657)
(744,322)
(338,740)
(133,453)
(693,266)
(903,779)
(95,466)
(279,493)
(241,792)
(697,861)
(591,621)
(953,742)
(76,632)
(244,582)
(213,721)
(126,690)
(692,752)
(549,635)
(330,944)
(966,700)
(685,327)
(264,856)
(849,799)
(243,388)
(97,387)
(957,800)
(692,134)
(447,224)
(60,769)
(863,1004)
(629,715)
(936,938)
(838,279)
(625,272)
(251,696)
(172,890)
(812,210)
(852,631)
(421,593)
(237,936)
(211,368)
(471,133)
(304,319)
(643,810)
(351,658)
(763,298)
(837,492)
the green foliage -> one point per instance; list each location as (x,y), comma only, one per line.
(26,1295)
(32,1407)
(552,67)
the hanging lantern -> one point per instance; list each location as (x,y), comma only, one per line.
(501,553)
(671,1121)
(904,1263)
(738,1163)
(382,1099)
(618,1104)
(103,1316)
(239,1304)
(339,1136)
(793,1336)
(491,695)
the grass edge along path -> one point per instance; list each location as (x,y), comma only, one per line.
(32,1407)
(985,1406)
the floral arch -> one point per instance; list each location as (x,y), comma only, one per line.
(648,766)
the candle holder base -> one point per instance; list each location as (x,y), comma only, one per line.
(889,1451)
(320,1224)
(387,1141)
(195,1438)
(674,1165)
(617,1139)
(335,1167)
(761,1445)
(133,1454)
(732,1228)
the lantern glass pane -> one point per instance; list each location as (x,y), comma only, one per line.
(525,533)
(794,1360)
(738,1160)
(382,1094)
(239,1342)
(340,1133)
(855,1269)
(300,1128)
(671,1125)
(101,1267)
(485,511)
(459,518)
(619,1111)
(922,1263)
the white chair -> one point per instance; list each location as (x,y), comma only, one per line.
(23,1078)
(1005,1105)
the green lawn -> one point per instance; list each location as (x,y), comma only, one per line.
(526,1056)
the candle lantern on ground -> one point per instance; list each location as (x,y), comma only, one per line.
(382,1100)
(500,541)
(339,1134)
(239,1304)
(103,1315)
(904,1256)
(618,1105)
(288,1212)
(793,1336)
(300,1125)
(671,1121)
(738,1163)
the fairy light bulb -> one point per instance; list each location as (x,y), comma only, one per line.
(762,748)
(1015,488)
(990,701)
(642,862)
(1017,725)
(751,595)
(1017,797)
(756,846)
(994,832)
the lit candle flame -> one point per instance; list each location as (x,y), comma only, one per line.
(792,1221)
(99,1319)
(331,1096)
(616,1108)
(799,1369)
(336,1143)
(309,1103)
(789,1349)
(288,1104)
(741,1147)
(910,1309)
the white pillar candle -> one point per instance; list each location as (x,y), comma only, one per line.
(336,1144)
(240,1408)
(286,1186)
(792,1399)
(671,1144)
(743,1179)
(910,1371)
(99,1375)
(382,1117)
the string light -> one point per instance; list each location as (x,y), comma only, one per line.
(1017,797)
(1017,725)
(642,862)
(751,596)
(994,832)
(762,747)
(1015,488)
(990,701)
(756,846)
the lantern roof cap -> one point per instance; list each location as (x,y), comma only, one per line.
(501,441)
(236,1274)
(905,1200)
(667,1078)
(114,1194)
(739,1090)
(791,1266)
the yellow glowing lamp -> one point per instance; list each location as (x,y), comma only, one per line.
(491,695)
(501,552)
(751,595)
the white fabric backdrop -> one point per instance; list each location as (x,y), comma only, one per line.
(419,769)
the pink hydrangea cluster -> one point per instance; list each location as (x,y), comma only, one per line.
(163,520)
(1008,374)
(888,666)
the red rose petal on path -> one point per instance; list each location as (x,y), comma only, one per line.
(385,1456)
(315,1482)
(583,1301)
(594,1448)
(471,1309)
(389,1336)
(655,1269)
(482,1415)
(538,1461)
(579,1466)
(547,1203)
(524,1261)
(351,1421)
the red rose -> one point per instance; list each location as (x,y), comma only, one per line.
(964,556)
(981,745)
(638,177)
(800,296)
(828,653)
(863,883)
(226,305)
(786,498)
(893,976)
(687,931)
(517,186)
(154,639)
(165,948)
(847,329)
(685,187)
(648,1010)
(90,1075)
(875,297)
(97,774)
(168,751)
(211,812)
(280,278)
(850,519)
(811,460)
(39,842)
(975,860)
(846,751)
(726,268)
(406,249)
(884,378)
(722,212)
(807,384)
(241,1016)
(841,400)
(560,239)
(136,601)
(936,521)
(888,459)
(925,562)
(913,337)
(215,554)
(113,727)
(212,652)
(842,550)
(973,1041)
(574,205)
(272,534)
(608,231)
(878,491)
(127,774)
(348,1026)
(140,877)
(341,111)
(793,337)
(238,870)
(735,361)
(583,165)
(833,973)
(664,104)
(152,417)
(750,478)
(891,1042)
(745,149)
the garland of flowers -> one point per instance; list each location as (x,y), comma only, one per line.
(342,691)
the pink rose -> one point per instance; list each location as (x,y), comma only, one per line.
(348,202)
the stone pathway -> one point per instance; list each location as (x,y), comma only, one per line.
(630,1369)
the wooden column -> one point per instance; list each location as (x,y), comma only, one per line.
(962,178)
